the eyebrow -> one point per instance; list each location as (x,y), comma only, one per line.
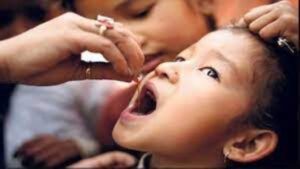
(221,57)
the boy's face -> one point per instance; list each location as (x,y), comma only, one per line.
(187,108)
(164,27)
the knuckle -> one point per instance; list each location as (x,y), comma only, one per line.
(247,18)
(263,34)
(69,17)
(287,18)
(107,45)
(124,34)
(253,27)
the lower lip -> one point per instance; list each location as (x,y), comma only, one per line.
(127,115)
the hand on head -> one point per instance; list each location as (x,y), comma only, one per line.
(275,20)
(50,53)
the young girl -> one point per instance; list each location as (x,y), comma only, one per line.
(220,103)
(70,111)
(284,14)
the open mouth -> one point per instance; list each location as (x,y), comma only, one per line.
(145,104)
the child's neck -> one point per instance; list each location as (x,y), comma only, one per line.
(182,161)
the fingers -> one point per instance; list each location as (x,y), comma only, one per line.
(256,13)
(269,31)
(123,39)
(107,160)
(128,46)
(116,159)
(110,51)
(50,152)
(275,20)
(263,21)
(45,139)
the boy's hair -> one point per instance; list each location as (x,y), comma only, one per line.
(275,105)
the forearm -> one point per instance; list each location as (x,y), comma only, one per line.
(4,70)
(10,50)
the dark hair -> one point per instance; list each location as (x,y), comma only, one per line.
(276,103)
(69,5)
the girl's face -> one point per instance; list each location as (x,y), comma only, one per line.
(186,108)
(164,27)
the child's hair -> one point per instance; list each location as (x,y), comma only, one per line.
(275,105)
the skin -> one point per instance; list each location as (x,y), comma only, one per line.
(114,159)
(189,27)
(271,21)
(210,106)
(53,63)
(47,151)
(152,29)
(158,43)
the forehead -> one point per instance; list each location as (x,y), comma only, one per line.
(233,45)
(238,49)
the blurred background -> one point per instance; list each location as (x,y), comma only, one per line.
(17,16)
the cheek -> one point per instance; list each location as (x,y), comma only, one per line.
(202,118)
(177,27)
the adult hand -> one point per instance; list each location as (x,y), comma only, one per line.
(50,53)
(111,160)
(47,151)
(275,20)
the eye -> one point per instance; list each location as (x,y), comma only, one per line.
(211,72)
(144,13)
(179,59)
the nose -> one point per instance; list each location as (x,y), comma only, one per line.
(168,71)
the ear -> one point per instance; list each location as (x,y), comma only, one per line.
(205,7)
(250,146)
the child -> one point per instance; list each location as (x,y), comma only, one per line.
(221,102)
(165,135)
(148,134)
(69,113)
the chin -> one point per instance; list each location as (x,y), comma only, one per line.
(122,136)
(129,139)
